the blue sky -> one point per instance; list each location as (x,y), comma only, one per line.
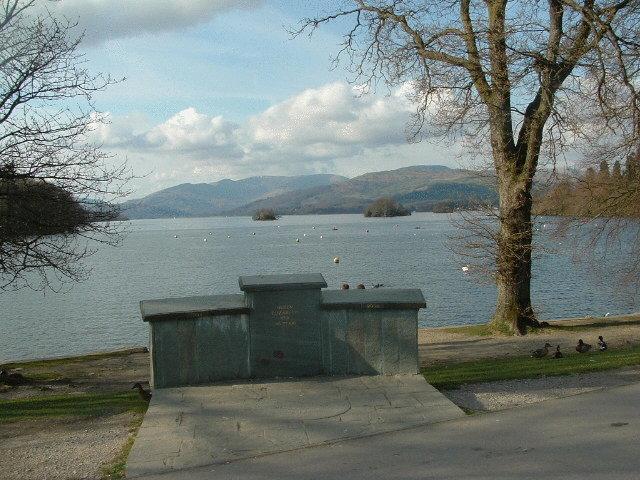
(218,89)
(237,64)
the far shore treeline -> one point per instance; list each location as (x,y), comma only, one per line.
(594,193)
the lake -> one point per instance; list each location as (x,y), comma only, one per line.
(102,313)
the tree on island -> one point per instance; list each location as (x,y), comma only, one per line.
(56,188)
(509,78)
(265,214)
(386,207)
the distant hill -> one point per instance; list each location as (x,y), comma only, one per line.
(210,199)
(424,188)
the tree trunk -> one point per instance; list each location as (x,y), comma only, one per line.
(513,273)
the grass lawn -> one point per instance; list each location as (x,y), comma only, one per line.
(453,375)
(83,405)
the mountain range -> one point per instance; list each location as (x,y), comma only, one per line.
(422,187)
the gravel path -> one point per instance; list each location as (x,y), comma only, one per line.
(70,449)
(492,396)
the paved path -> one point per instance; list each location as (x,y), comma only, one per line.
(194,426)
(595,435)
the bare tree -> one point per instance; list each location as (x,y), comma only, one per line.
(56,188)
(523,80)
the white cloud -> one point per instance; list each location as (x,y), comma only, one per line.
(328,129)
(111,19)
(189,131)
(333,114)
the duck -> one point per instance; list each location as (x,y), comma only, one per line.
(144,394)
(602,345)
(541,352)
(582,347)
(557,353)
(12,378)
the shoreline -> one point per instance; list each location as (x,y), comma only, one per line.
(88,355)
(623,318)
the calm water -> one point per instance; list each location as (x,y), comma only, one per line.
(102,313)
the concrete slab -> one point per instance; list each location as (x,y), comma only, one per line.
(196,426)
(592,436)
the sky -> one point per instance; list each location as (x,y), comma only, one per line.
(219,89)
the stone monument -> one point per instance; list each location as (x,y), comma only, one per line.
(282,326)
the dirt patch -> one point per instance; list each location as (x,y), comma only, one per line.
(109,372)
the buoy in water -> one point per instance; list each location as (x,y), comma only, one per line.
(297,240)
(321,236)
(336,259)
(204,239)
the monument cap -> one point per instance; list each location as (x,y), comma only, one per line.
(298,281)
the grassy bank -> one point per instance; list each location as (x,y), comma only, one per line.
(453,375)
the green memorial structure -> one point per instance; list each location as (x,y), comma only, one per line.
(282,326)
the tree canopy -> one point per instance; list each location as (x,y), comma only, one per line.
(386,207)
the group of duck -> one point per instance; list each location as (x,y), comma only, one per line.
(581,347)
